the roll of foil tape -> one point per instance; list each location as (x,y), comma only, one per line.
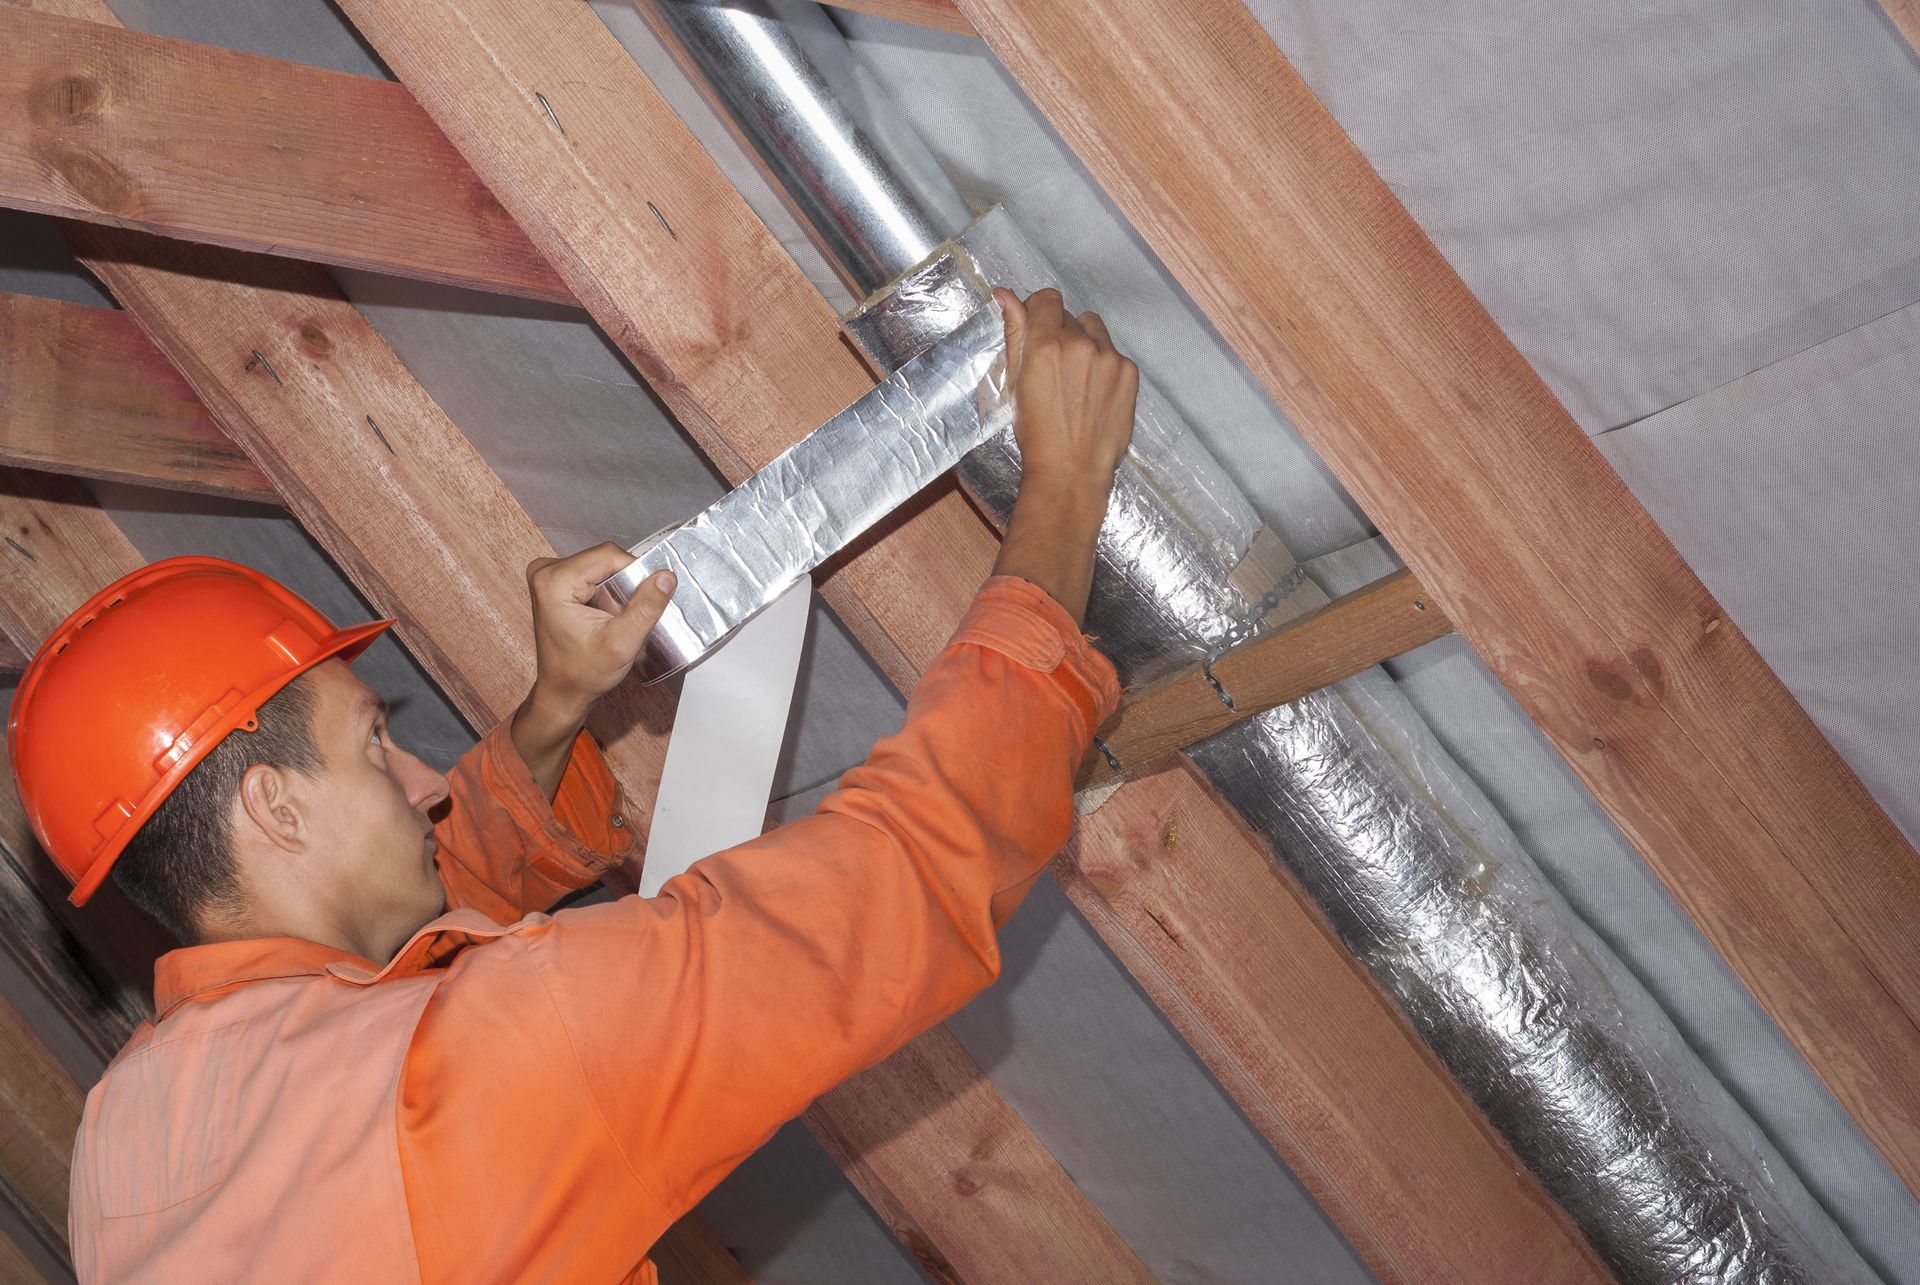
(812,501)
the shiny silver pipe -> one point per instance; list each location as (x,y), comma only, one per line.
(1567,1054)
(861,181)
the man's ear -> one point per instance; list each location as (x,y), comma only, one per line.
(275,803)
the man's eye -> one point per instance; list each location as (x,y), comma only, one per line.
(379,737)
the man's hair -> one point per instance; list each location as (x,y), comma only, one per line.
(179,866)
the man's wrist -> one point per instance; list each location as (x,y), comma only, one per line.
(543,730)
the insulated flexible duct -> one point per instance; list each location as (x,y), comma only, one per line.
(1571,1059)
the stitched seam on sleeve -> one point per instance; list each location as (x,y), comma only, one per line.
(586,1083)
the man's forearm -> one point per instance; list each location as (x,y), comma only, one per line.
(1050,539)
(543,731)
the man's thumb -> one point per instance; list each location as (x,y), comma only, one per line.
(1014,314)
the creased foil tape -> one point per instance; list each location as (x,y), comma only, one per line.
(820,494)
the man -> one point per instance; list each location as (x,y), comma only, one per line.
(375,1059)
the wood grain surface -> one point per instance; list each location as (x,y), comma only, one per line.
(206,144)
(83,392)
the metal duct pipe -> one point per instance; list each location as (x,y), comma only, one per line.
(861,181)
(1562,1048)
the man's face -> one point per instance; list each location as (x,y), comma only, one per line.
(372,815)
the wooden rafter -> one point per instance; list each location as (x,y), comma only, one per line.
(749,356)
(83,392)
(1373,623)
(944,14)
(1361,331)
(113,126)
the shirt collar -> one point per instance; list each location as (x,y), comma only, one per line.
(194,971)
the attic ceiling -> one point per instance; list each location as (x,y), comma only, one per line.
(1695,220)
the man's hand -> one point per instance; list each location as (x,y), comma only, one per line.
(580,652)
(1073,417)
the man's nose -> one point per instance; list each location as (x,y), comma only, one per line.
(425,788)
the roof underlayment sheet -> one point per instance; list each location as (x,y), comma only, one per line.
(1694,219)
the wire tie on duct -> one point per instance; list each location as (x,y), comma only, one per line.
(1106,754)
(1206,671)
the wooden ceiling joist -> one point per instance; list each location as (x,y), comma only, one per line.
(83,392)
(107,125)
(1356,631)
(1365,336)
(750,357)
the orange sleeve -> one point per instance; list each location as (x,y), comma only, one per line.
(505,851)
(595,1073)
(706,1017)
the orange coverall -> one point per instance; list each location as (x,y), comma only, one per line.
(527,1097)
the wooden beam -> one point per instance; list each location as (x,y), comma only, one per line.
(94,965)
(1360,330)
(83,392)
(187,140)
(39,1117)
(693,1255)
(749,356)
(943,14)
(1376,622)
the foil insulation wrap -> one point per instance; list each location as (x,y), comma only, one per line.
(756,541)
(1572,1060)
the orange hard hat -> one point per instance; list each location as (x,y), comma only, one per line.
(137,686)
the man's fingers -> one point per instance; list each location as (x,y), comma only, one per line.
(574,579)
(628,631)
(1045,310)
(1096,328)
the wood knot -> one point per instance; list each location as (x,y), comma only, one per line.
(315,340)
(965,1184)
(1650,671)
(67,100)
(94,179)
(1608,681)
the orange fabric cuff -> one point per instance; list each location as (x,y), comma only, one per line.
(589,802)
(1022,622)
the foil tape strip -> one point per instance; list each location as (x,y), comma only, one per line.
(813,500)
(1572,1060)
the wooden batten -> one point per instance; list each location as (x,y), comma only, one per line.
(107,125)
(83,392)
(1360,330)
(749,357)
(1376,622)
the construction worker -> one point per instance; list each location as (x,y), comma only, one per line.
(375,1058)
